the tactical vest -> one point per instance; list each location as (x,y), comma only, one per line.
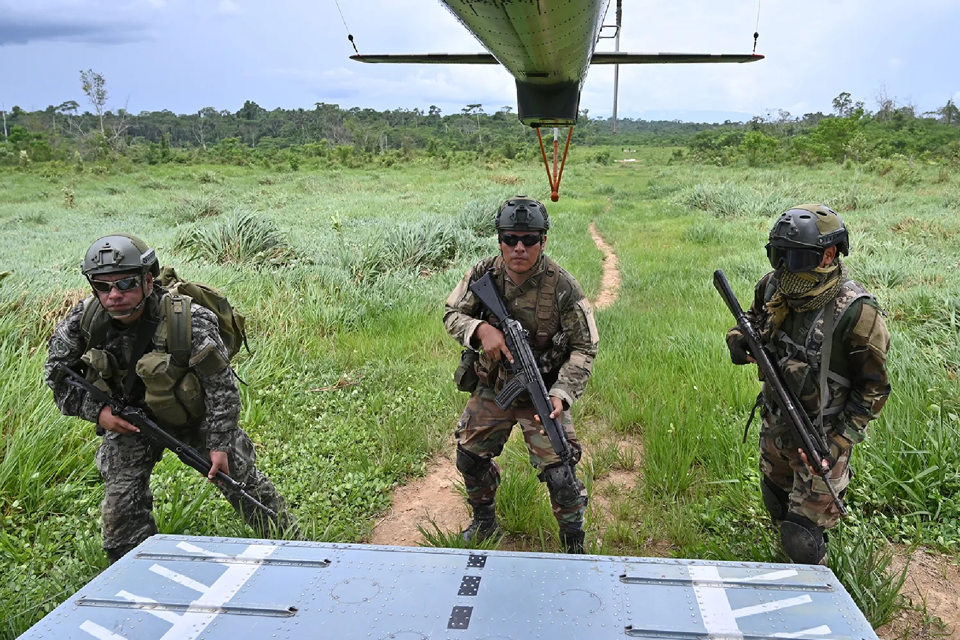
(545,337)
(799,354)
(173,391)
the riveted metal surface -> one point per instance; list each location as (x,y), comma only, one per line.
(469,586)
(187,588)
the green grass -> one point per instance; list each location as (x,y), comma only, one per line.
(349,379)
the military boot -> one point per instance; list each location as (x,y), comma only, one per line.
(572,540)
(484,524)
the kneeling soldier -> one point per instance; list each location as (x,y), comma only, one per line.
(119,339)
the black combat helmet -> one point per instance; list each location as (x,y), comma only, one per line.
(801,234)
(120,253)
(522,214)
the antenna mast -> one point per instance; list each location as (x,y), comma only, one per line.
(616,67)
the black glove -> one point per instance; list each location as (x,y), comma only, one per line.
(739,347)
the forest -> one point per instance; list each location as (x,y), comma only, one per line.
(328,135)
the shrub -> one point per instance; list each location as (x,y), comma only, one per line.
(240,237)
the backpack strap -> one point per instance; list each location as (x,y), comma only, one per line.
(832,315)
(545,302)
(94,322)
(175,311)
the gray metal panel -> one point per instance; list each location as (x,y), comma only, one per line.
(187,588)
(538,41)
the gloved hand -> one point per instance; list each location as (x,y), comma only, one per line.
(739,348)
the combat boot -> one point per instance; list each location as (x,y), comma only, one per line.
(484,524)
(572,540)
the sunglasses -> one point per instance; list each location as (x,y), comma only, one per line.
(123,285)
(528,241)
(796,260)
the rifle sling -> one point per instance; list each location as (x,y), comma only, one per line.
(825,353)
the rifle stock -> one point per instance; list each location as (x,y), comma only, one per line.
(812,443)
(135,416)
(524,368)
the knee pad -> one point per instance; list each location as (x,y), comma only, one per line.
(803,541)
(562,483)
(472,465)
(774,499)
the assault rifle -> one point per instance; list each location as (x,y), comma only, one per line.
(135,416)
(524,368)
(813,444)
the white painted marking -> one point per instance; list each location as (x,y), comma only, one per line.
(718,618)
(774,575)
(776,605)
(192,624)
(192,548)
(99,632)
(169,616)
(822,630)
(179,578)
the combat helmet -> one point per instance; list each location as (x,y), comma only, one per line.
(802,233)
(522,214)
(120,253)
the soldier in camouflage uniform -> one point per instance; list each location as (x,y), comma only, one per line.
(549,303)
(808,311)
(122,328)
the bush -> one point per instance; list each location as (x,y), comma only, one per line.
(241,237)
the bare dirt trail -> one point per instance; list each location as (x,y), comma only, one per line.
(610,283)
(435,497)
(933,584)
(431,498)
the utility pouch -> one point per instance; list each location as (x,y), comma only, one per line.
(465,376)
(189,392)
(551,359)
(160,375)
(102,366)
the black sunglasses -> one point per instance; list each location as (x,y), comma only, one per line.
(123,284)
(528,241)
(796,260)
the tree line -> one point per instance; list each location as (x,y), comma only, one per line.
(327,133)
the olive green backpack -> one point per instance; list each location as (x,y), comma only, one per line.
(232,324)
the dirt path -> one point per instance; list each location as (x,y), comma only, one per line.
(933,587)
(610,284)
(433,497)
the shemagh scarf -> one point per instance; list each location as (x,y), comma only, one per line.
(806,291)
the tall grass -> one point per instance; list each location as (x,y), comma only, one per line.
(349,378)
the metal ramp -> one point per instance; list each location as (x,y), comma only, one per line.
(198,588)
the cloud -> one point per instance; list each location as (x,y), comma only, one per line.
(228,6)
(23,31)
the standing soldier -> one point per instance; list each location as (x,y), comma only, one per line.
(121,339)
(549,303)
(808,312)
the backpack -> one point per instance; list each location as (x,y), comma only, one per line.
(232,324)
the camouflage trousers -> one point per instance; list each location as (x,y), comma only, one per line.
(808,495)
(484,429)
(126,461)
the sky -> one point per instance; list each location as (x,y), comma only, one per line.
(183,55)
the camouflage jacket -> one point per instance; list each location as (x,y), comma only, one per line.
(571,327)
(857,382)
(221,396)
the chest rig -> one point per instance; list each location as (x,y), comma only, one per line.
(803,353)
(173,392)
(544,334)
